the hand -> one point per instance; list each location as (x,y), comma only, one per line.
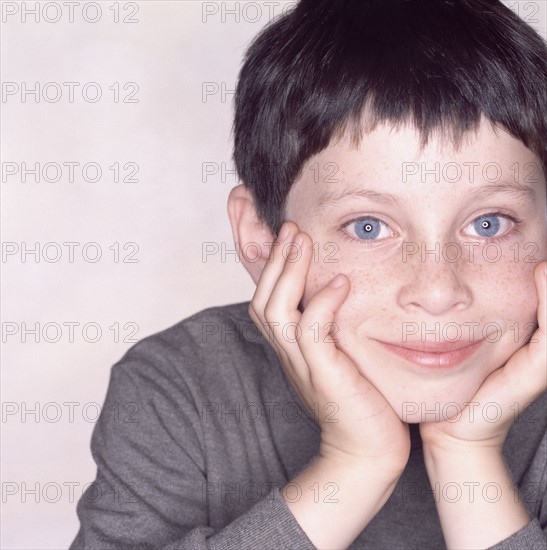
(470,449)
(519,382)
(364,426)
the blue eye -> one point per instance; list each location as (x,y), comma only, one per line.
(487,226)
(368,228)
(491,225)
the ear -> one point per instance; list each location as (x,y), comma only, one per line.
(252,237)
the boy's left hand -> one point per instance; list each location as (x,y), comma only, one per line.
(513,387)
(467,451)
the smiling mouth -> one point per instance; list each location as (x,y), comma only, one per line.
(434,355)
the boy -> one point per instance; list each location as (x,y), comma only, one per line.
(401,308)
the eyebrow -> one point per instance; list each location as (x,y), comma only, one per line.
(516,190)
(333,196)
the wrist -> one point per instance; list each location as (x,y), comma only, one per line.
(384,469)
(337,491)
(473,487)
(465,456)
(437,443)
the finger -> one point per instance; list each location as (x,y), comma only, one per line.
(271,271)
(540,277)
(272,316)
(287,293)
(524,377)
(537,348)
(281,312)
(318,339)
(534,355)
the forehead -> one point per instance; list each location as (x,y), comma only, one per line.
(393,160)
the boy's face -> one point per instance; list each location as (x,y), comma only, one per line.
(439,246)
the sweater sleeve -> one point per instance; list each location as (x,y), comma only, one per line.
(531,537)
(150,486)
(534,535)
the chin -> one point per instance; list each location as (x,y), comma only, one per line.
(414,412)
(420,407)
(438,393)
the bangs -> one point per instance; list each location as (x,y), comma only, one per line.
(348,65)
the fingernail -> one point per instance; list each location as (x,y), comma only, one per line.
(295,250)
(338,281)
(283,232)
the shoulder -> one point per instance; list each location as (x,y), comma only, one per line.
(526,454)
(528,433)
(205,350)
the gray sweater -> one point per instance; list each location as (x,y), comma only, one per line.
(200,429)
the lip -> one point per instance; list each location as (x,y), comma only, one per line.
(434,355)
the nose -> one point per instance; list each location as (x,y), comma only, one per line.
(434,287)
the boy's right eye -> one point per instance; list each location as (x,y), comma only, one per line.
(368,228)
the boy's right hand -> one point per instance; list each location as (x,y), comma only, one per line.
(358,426)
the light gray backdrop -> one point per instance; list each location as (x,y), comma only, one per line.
(116,146)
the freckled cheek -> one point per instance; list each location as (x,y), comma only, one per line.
(505,288)
(319,275)
(509,288)
(368,296)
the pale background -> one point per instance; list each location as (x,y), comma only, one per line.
(184,57)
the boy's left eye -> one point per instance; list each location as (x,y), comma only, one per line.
(369,228)
(489,225)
